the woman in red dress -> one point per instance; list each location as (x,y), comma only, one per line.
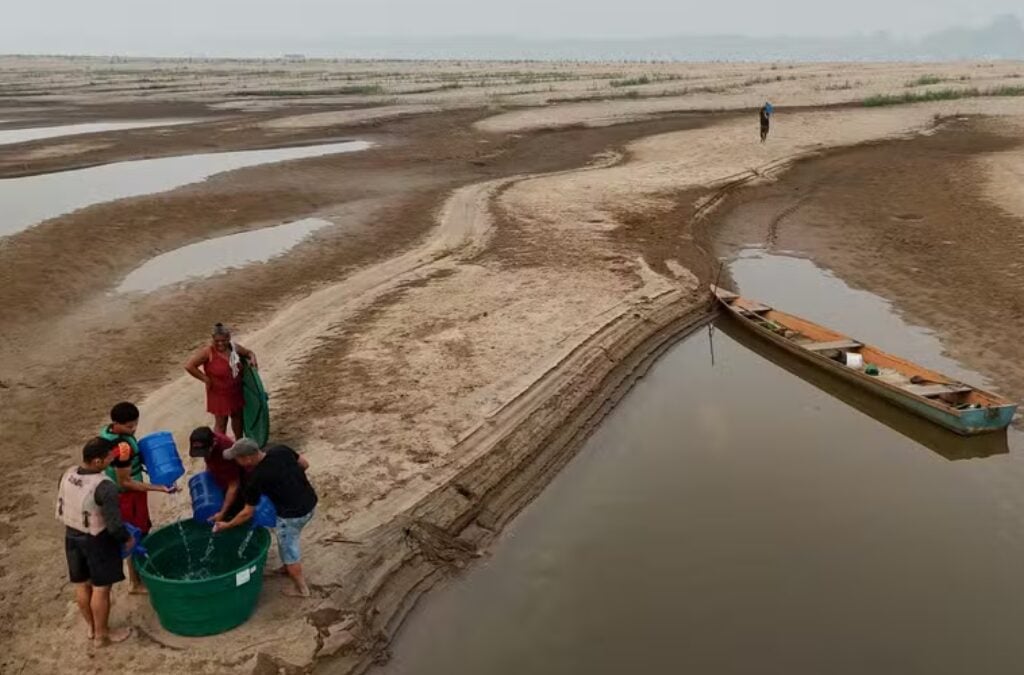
(218,365)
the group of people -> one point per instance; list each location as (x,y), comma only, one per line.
(106,492)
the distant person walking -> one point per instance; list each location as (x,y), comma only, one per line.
(765,115)
(218,365)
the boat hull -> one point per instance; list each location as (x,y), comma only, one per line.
(924,432)
(967,423)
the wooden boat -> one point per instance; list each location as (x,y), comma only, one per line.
(954,405)
(952,447)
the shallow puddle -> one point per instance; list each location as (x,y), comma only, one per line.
(9,136)
(739,514)
(217,255)
(30,200)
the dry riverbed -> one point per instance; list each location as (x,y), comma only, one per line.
(491,281)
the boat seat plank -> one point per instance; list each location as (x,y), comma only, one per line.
(932,390)
(828,346)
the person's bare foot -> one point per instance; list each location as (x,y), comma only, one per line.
(113,637)
(138,590)
(293,592)
(90,632)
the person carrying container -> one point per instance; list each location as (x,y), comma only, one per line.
(280,474)
(765,117)
(126,472)
(94,535)
(206,443)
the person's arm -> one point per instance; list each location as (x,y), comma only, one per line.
(229,499)
(192,366)
(248,354)
(244,516)
(126,482)
(107,499)
(303,462)
(253,492)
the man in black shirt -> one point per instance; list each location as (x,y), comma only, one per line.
(280,474)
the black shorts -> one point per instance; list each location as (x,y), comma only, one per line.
(93,559)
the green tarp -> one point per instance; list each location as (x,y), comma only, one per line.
(256,414)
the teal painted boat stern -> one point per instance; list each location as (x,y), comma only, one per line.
(987,419)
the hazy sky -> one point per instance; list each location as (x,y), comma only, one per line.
(110,25)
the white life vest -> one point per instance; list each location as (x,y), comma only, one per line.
(76,501)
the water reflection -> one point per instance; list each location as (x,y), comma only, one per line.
(30,200)
(9,136)
(216,255)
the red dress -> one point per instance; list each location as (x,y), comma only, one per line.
(224,393)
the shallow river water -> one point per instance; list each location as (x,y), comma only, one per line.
(212,256)
(30,200)
(10,136)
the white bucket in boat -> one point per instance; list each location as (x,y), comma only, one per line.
(854,360)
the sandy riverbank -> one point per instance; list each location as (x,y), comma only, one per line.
(489,286)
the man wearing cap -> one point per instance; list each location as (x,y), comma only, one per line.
(210,445)
(280,474)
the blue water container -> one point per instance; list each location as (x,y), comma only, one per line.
(160,455)
(138,549)
(266,514)
(207,498)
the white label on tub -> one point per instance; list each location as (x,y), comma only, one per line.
(242,577)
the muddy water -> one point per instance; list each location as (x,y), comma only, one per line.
(745,516)
(30,200)
(217,255)
(9,136)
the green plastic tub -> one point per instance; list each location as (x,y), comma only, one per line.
(202,583)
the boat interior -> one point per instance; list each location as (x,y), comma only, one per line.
(887,368)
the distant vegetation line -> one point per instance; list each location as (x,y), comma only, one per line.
(940,95)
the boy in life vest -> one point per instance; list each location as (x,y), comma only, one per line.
(88,505)
(126,472)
